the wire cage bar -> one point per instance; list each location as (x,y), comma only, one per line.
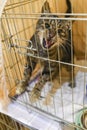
(19,23)
(8,123)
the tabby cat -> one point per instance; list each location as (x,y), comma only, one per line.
(52,39)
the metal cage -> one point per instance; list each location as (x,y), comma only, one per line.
(18,24)
(8,123)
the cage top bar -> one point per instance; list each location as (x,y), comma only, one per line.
(50,14)
(36,17)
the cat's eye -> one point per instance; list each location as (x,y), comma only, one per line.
(47,25)
(61,32)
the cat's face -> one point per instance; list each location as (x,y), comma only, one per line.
(52,32)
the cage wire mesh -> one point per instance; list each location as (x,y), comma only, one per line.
(7,123)
(19,22)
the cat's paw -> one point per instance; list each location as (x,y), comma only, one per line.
(35,95)
(20,88)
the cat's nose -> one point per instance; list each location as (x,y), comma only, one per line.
(52,34)
(49,38)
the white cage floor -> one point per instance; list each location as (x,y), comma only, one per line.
(63,105)
(30,118)
(66,110)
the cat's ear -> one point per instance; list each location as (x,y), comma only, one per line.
(46,8)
